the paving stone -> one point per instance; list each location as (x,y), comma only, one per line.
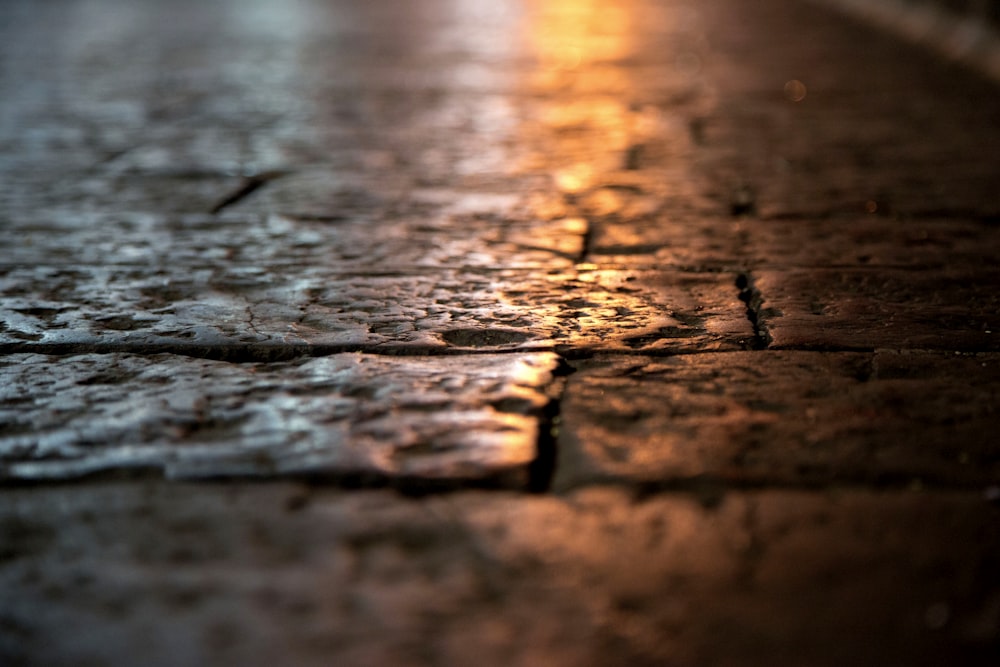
(466,178)
(785,418)
(857,241)
(194,170)
(48,194)
(349,243)
(817,163)
(346,416)
(257,575)
(240,310)
(873,241)
(948,309)
(666,240)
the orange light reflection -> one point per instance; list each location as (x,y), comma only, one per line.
(584,121)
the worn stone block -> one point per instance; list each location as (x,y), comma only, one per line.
(231,309)
(352,243)
(360,417)
(53,194)
(666,240)
(788,418)
(858,241)
(839,157)
(954,308)
(872,240)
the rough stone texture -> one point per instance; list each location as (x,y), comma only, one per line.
(948,309)
(343,242)
(345,416)
(815,160)
(283,574)
(874,241)
(782,418)
(182,191)
(350,240)
(838,242)
(264,310)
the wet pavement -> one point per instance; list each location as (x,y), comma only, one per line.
(554,332)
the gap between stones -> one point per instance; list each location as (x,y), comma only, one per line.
(709,490)
(248,186)
(540,471)
(754,300)
(586,241)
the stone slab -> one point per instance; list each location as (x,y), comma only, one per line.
(954,308)
(356,417)
(873,240)
(836,153)
(857,241)
(782,418)
(278,573)
(666,240)
(345,242)
(183,189)
(231,309)
(193,90)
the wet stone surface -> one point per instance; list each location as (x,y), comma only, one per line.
(256,575)
(782,418)
(180,190)
(350,416)
(338,241)
(466,250)
(206,308)
(874,240)
(832,157)
(852,240)
(948,309)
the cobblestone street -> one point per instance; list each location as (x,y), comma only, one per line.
(448,332)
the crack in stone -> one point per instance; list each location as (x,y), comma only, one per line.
(586,241)
(113,155)
(542,469)
(754,300)
(632,160)
(251,323)
(248,186)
